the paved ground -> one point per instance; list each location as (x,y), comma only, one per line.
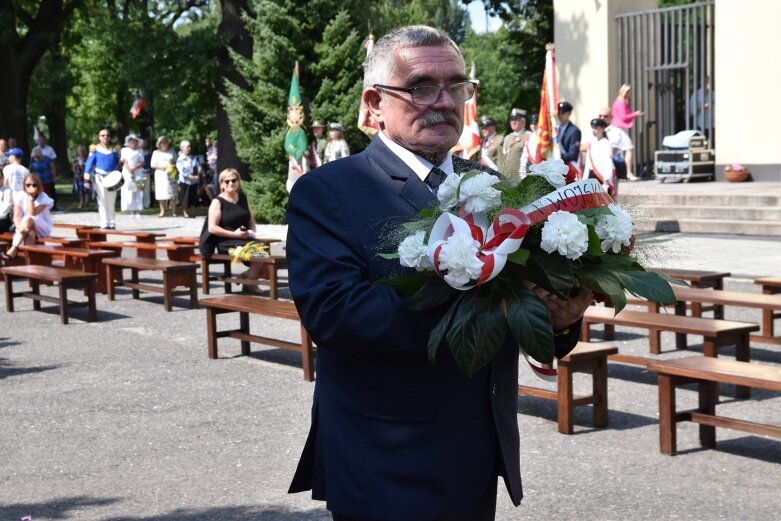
(128,419)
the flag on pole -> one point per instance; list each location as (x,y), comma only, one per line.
(469,142)
(549,100)
(138,105)
(365,120)
(296,140)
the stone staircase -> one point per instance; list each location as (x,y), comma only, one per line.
(718,208)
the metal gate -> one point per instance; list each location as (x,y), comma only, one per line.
(667,56)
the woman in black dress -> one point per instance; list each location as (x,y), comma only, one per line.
(230,222)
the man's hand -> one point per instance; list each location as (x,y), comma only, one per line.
(564,313)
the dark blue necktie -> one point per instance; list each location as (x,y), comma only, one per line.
(435,178)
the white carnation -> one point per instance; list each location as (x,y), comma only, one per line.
(563,232)
(446,193)
(478,194)
(413,252)
(614,230)
(459,257)
(553,170)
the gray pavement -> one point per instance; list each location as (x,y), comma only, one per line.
(128,419)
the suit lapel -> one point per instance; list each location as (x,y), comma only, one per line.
(404,181)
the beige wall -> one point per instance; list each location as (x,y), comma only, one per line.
(746,77)
(586,55)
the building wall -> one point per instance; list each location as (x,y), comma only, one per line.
(746,74)
(586,54)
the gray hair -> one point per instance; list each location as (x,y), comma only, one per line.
(184,143)
(380,67)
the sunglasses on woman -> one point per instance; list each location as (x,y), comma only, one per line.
(29,185)
(230,181)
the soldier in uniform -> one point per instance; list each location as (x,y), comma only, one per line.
(491,147)
(318,131)
(512,148)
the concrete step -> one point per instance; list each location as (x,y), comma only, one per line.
(707,199)
(720,226)
(734,213)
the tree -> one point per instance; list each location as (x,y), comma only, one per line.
(29,29)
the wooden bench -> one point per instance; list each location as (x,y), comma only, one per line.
(174,274)
(584,358)
(716,333)
(269,270)
(174,252)
(63,278)
(708,373)
(99,235)
(80,259)
(768,303)
(245,305)
(770,286)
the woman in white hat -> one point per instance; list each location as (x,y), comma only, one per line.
(132,160)
(336,148)
(163,161)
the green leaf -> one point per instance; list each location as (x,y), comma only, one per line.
(551,271)
(594,243)
(519,256)
(438,333)
(647,284)
(388,256)
(408,286)
(434,293)
(477,331)
(603,280)
(529,322)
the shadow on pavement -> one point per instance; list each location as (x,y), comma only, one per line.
(54,509)
(7,370)
(273,513)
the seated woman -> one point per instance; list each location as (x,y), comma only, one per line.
(230,222)
(32,216)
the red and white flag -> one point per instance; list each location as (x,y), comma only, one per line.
(138,105)
(549,101)
(470,140)
(365,120)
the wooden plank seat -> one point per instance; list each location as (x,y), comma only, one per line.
(245,305)
(81,259)
(63,278)
(174,274)
(100,235)
(206,275)
(269,271)
(770,286)
(586,357)
(716,333)
(708,373)
(174,252)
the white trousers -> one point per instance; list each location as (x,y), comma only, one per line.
(107,201)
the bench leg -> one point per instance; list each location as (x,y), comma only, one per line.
(168,288)
(211,332)
(110,288)
(134,280)
(244,327)
(680,338)
(193,290)
(226,270)
(708,397)
(204,275)
(564,401)
(36,290)
(9,293)
(667,427)
(742,355)
(585,332)
(63,303)
(654,341)
(272,282)
(599,392)
(307,356)
(93,312)
(609,332)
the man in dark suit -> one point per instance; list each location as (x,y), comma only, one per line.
(393,436)
(569,137)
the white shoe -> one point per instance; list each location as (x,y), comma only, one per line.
(632,177)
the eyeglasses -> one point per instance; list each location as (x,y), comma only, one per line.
(29,185)
(230,181)
(429,94)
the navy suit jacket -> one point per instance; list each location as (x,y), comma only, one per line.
(393,436)
(570,143)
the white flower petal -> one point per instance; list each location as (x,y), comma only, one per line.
(565,234)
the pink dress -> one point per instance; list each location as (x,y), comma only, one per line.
(623,116)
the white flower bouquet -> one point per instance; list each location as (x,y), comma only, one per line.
(476,253)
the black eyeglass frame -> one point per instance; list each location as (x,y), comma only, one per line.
(412,90)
